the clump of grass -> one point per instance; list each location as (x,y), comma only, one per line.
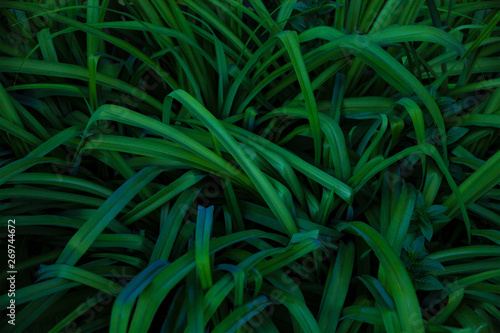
(252,166)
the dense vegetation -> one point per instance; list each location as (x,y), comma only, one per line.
(251,166)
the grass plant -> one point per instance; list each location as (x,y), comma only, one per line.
(251,166)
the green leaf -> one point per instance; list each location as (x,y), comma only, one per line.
(242,314)
(378,291)
(262,184)
(428,282)
(426,229)
(203,231)
(337,284)
(456,133)
(291,43)
(435,210)
(122,307)
(83,238)
(400,287)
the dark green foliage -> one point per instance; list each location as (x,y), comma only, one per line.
(251,166)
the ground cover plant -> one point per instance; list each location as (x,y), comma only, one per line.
(250,166)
